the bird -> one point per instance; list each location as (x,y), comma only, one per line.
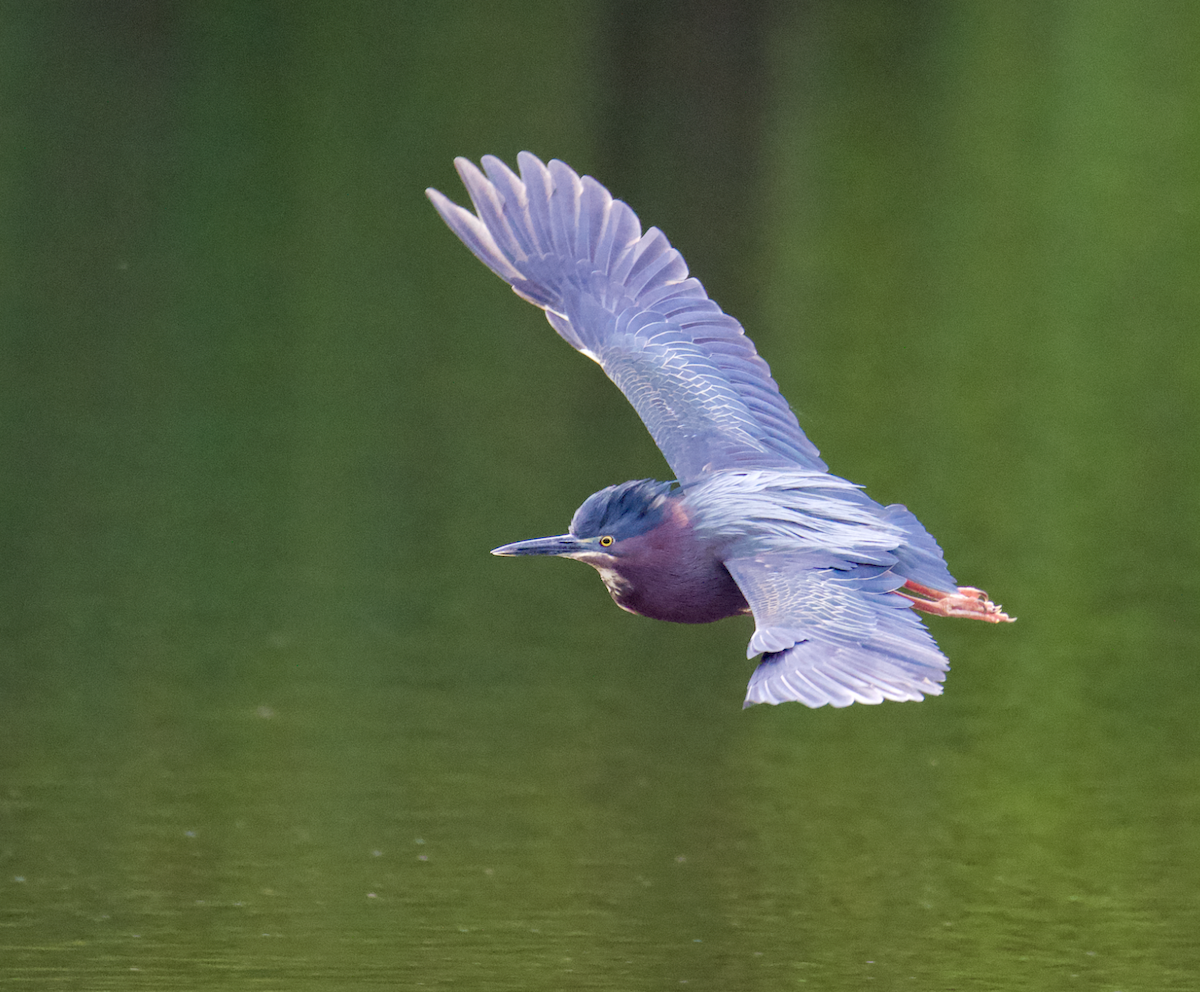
(753,522)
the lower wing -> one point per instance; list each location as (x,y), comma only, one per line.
(834,632)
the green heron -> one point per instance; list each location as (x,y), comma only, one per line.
(754,522)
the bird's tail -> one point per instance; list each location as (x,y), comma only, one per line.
(919,558)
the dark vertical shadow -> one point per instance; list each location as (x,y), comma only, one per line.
(684,98)
(684,90)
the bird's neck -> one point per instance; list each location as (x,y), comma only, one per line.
(667,573)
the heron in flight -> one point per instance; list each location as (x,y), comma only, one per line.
(754,522)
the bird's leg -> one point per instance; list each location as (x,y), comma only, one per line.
(967,602)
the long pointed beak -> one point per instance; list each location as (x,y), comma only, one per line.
(564,544)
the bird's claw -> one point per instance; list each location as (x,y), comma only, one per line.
(968,602)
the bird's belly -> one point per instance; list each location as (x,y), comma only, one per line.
(694,599)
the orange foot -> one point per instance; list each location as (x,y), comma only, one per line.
(967,602)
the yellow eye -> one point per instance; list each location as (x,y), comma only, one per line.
(605,541)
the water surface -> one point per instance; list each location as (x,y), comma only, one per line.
(270,716)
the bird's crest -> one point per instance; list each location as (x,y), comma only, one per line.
(623,511)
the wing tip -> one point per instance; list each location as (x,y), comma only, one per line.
(781,677)
(916,694)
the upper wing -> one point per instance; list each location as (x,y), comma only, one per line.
(833,632)
(624,299)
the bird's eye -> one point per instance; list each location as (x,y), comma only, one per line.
(606,541)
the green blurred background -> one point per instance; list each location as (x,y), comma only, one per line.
(271,717)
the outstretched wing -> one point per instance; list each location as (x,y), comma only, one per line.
(624,299)
(833,632)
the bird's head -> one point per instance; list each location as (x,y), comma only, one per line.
(601,525)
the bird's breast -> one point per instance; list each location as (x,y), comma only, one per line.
(690,598)
(666,574)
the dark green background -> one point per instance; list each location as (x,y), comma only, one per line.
(271,717)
